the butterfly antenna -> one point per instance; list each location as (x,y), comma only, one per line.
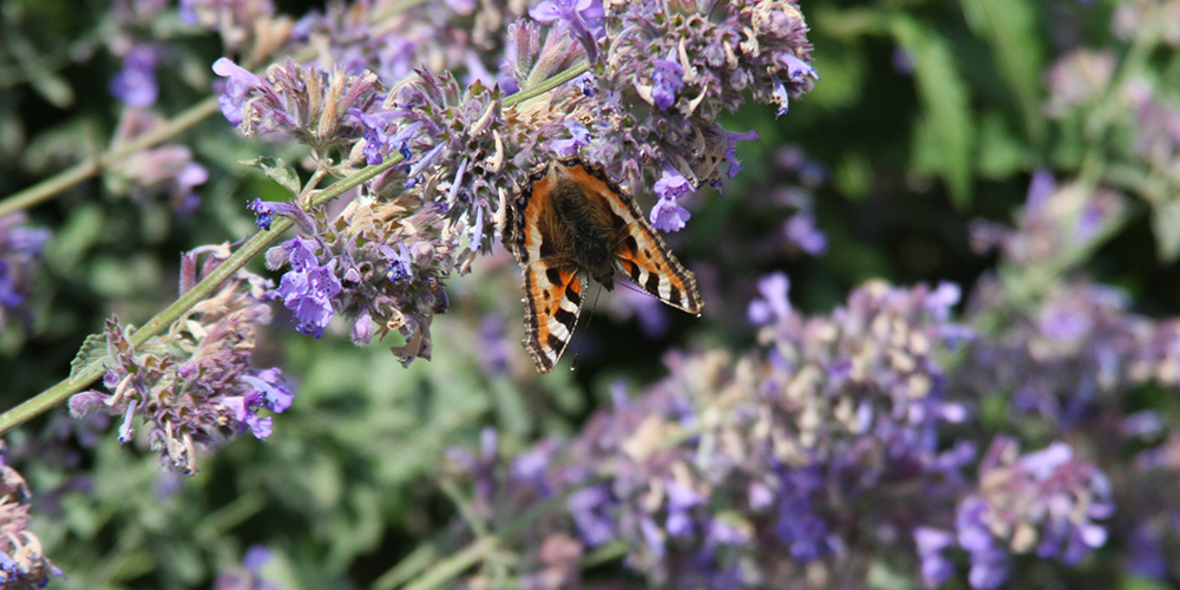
(586,330)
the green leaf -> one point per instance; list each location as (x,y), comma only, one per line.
(93,352)
(1165,223)
(1131,582)
(1001,154)
(1011,29)
(853,176)
(949,133)
(278,171)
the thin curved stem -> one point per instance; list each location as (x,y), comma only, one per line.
(52,186)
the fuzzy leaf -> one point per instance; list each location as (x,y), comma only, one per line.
(278,171)
(945,106)
(1011,29)
(93,352)
(1165,221)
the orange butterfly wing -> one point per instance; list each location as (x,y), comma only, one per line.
(553,283)
(640,252)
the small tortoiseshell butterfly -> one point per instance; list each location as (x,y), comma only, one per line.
(572,222)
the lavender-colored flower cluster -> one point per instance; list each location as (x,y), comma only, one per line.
(381,270)
(194,385)
(308,103)
(22,564)
(391,39)
(783,467)
(667,71)
(463,153)
(20,257)
(1046,499)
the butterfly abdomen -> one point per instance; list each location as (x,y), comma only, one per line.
(587,230)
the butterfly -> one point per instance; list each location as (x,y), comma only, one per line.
(572,223)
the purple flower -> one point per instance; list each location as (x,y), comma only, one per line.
(583,19)
(400,264)
(20,257)
(10,296)
(666,81)
(270,383)
(681,500)
(1039,189)
(237,88)
(672,185)
(944,298)
(135,84)
(22,563)
(1148,558)
(801,231)
(668,215)
(579,137)
(308,288)
(267,210)
(731,140)
(243,408)
(931,543)
(255,558)
(590,509)
(781,97)
(774,305)
(248,575)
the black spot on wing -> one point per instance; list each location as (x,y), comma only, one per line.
(631,245)
(674,296)
(554,276)
(554,343)
(566,318)
(653,284)
(634,272)
(573,296)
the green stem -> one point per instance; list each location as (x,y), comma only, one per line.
(454,565)
(52,186)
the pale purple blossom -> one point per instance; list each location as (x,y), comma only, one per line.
(135,84)
(666,82)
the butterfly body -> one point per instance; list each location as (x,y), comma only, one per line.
(571,223)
